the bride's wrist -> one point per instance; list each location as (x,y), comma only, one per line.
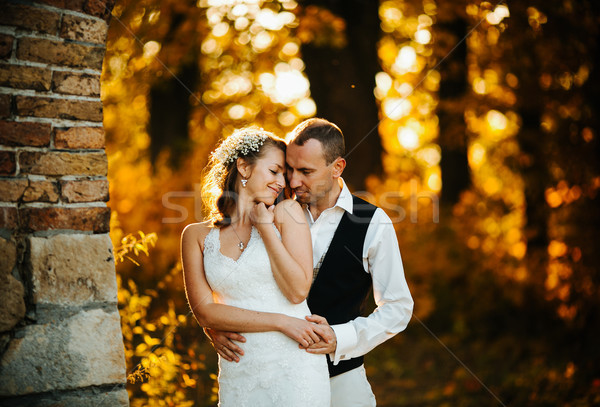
(264,227)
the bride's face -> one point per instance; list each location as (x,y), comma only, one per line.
(267,177)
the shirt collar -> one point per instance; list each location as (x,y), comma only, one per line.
(344,201)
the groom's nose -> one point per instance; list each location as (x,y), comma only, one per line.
(294,179)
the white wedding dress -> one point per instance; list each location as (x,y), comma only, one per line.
(273,371)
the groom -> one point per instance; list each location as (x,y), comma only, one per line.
(355,249)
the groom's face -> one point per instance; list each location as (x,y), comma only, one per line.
(309,176)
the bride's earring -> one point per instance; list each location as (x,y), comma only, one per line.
(244,182)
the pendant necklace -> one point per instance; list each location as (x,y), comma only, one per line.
(240,244)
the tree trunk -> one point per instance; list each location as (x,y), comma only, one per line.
(342,83)
(170,113)
(451,50)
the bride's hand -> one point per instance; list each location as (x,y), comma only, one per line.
(261,215)
(300,330)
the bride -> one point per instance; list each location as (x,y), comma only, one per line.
(249,269)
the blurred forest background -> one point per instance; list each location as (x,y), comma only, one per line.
(474,124)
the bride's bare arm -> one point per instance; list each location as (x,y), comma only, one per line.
(291,257)
(224,317)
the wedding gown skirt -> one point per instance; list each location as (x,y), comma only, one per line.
(273,371)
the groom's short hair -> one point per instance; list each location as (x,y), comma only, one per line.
(327,133)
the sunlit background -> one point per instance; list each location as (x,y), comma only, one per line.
(473,124)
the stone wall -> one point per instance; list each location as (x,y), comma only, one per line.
(60,335)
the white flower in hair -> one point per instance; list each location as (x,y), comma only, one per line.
(240,143)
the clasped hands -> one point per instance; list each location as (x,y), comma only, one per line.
(322,340)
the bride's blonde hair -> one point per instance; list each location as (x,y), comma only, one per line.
(218,184)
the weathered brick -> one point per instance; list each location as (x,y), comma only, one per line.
(76,84)
(60,53)
(75,5)
(31,18)
(8,163)
(5,106)
(83,29)
(95,219)
(41,191)
(79,137)
(11,190)
(84,190)
(58,108)
(99,8)
(9,218)
(63,163)
(83,351)
(25,77)
(24,133)
(6,44)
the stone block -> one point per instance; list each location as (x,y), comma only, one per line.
(5,106)
(83,29)
(63,163)
(84,190)
(94,219)
(59,108)
(6,45)
(76,84)
(12,306)
(115,396)
(8,257)
(41,191)
(81,351)
(24,133)
(8,163)
(11,190)
(79,137)
(72,269)
(25,77)
(9,218)
(60,53)
(30,18)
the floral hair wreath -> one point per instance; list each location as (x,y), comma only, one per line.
(240,143)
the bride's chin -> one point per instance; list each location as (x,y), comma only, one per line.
(267,202)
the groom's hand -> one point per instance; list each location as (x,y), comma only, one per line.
(222,342)
(329,342)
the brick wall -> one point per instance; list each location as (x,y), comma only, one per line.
(60,335)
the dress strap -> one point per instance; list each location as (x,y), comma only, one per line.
(211,241)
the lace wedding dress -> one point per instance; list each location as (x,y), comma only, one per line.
(273,370)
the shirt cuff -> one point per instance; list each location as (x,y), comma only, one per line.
(346,338)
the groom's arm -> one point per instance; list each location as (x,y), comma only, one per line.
(223,343)
(381,257)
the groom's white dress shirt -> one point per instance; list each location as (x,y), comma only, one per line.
(381,258)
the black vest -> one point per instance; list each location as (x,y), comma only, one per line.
(342,284)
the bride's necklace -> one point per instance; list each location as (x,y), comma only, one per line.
(241,243)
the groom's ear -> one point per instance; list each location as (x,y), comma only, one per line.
(338,167)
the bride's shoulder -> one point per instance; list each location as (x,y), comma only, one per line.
(197,230)
(288,209)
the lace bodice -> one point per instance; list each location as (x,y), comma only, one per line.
(247,282)
(273,371)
